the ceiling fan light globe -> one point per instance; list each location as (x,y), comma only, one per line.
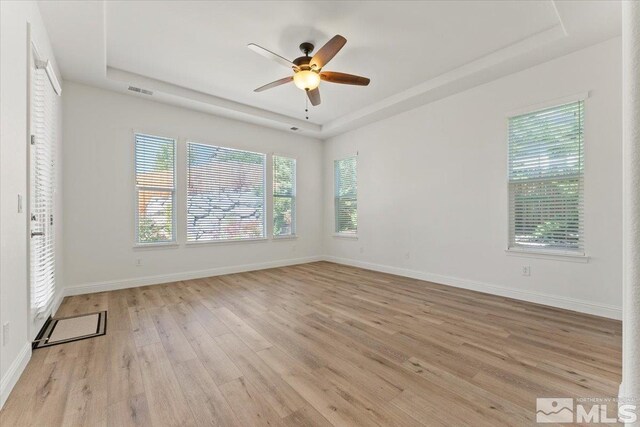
(306,80)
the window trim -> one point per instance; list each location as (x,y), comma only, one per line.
(345,235)
(556,102)
(265,198)
(174,220)
(294,198)
(548,254)
(196,243)
(336,233)
(580,256)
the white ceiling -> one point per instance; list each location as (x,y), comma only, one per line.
(194,53)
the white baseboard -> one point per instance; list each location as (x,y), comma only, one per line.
(10,379)
(563,302)
(15,370)
(187,275)
(583,306)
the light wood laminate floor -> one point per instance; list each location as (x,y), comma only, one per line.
(314,344)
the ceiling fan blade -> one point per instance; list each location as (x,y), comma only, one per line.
(273,56)
(274,84)
(328,51)
(314,96)
(344,78)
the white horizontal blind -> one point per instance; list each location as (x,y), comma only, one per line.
(546,187)
(42,259)
(284,196)
(225,194)
(346,195)
(155,189)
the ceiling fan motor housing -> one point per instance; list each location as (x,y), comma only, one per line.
(303,62)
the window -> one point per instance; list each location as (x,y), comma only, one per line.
(284,196)
(155,189)
(225,194)
(546,160)
(346,195)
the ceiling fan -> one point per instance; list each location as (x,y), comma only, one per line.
(307,71)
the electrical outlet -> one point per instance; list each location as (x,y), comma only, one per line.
(5,333)
(19,203)
(138,262)
(526,270)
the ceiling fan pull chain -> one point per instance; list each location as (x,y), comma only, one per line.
(306,107)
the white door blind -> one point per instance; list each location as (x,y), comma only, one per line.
(346,195)
(43,181)
(225,194)
(546,161)
(155,189)
(284,196)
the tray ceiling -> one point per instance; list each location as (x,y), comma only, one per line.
(194,54)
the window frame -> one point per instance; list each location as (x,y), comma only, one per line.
(193,243)
(174,229)
(558,254)
(294,198)
(336,232)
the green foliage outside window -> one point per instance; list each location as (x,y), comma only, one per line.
(284,182)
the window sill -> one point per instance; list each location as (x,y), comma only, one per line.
(289,237)
(225,242)
(548,254)
(352,236)
(161,245)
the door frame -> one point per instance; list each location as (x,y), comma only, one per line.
(31,51)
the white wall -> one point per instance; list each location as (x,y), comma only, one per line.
(14,296)
(99,192)
(432,190)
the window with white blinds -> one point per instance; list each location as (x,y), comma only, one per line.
(43,182)
(284,196)
(346,195)
(155,171)
(225,194)
(546,182)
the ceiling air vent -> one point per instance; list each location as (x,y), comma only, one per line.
(139,90)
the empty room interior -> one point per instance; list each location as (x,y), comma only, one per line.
(319,213)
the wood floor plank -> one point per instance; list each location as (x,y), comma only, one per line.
(253,339)
(207,403)
(118,314)
(124,376)
(314,344)
(306,417)
(86,404)
(132,412)
(167,404)
(176,345)
(282,398)
(249,405)
(142,326)
(51,394)
(315,390)
(215,360)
